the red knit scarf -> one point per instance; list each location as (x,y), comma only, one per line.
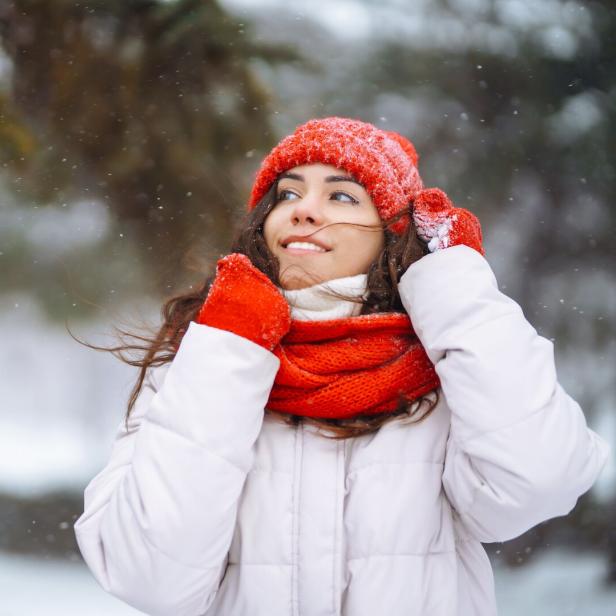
(340,368)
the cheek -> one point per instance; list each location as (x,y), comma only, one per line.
(371,248)
(358,250)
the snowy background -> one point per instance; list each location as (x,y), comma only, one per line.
(511,106)
(559,584)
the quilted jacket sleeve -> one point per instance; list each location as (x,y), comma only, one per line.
(519,450)
(159,518)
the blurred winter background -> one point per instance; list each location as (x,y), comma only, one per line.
(130,131)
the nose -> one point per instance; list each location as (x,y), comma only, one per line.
(307,211)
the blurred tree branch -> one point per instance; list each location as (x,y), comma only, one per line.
(154,105)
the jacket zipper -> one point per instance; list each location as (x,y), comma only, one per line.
(297,471)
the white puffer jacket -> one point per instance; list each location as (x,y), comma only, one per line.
(213,507)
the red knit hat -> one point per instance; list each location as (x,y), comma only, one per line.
(384,162)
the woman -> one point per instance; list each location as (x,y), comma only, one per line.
(351,408)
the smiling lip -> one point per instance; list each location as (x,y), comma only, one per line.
(303,251)
(303,238)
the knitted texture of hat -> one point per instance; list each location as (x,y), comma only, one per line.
(384,162)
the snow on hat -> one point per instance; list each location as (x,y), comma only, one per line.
(383,161)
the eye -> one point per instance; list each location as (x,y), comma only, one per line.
(282,192)
(338,192)
(352,199)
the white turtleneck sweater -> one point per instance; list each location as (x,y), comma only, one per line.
(315,303)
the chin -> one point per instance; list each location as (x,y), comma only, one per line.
(295,282)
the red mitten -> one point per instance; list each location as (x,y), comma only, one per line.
(443,225)
(243,300)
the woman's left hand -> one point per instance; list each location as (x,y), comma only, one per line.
(442,225)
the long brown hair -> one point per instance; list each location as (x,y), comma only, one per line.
(399,251)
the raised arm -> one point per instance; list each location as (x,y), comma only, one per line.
(519,450)
(158,520)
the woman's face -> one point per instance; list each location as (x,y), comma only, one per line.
(303,228)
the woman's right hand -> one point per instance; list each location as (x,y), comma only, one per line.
(244,301)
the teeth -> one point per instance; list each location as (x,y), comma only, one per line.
(306,246)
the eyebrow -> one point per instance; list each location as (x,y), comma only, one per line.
(329,178)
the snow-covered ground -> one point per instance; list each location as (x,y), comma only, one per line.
(557,583)
(32,587)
